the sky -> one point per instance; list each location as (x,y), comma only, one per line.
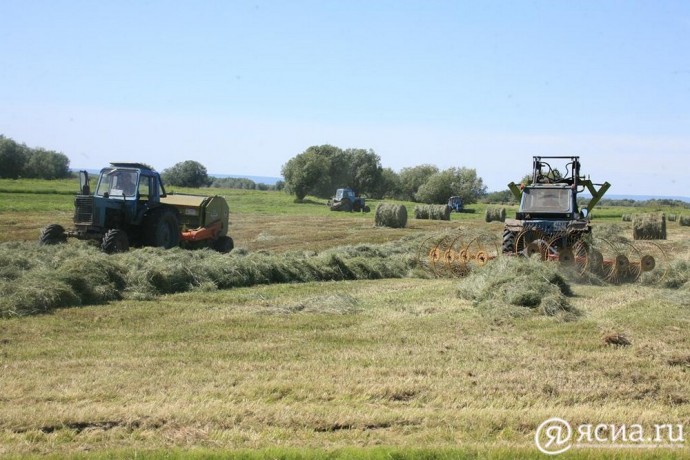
(243,86)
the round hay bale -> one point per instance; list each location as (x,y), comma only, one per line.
(626,217)
(432,211)
(421,211)
(391,215)
(672,217)
(684,221)
(650,226)
(439,212)
(495,214)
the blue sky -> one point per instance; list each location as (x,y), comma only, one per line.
(244,86)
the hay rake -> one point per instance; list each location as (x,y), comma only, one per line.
(456,255)
(615,261)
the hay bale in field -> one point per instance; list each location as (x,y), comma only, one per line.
(684,221)
(432,211)
(626,217)
(391,215)
(672,217)
(495,214)
(650,226)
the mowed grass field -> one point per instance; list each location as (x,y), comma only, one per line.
(375,368)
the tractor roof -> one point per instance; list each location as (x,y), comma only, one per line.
(132,165)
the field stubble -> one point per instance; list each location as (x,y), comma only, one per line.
(331,365)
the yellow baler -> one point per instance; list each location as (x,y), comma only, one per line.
(203,220)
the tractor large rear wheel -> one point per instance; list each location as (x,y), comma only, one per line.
(53,234)
(161,229)
(115,240)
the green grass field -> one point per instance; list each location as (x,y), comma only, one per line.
(395,365)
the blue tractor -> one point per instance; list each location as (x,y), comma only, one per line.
(455,203)
(549,221)
(346,199)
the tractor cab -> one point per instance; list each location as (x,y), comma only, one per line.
(123,195)
(345,193)
(455,203)
(553,201)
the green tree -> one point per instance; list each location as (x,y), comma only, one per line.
(12,158)
(364,170)
(304,173)
(388,185)
(359,169)
(45,164)
(462,182)
(502,197)
(188,173)
(413,178)
(467,185)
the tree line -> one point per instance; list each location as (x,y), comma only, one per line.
(193,174)
(318,171)
(19,160)
(321,169)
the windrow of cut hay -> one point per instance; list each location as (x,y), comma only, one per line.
(495,214)
(36,279)
(391,215)
(651,226)
(509,282)
(432,211)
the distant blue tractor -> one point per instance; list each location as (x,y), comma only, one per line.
(346,199)
(455,203)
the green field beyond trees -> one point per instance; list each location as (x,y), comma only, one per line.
(323,336)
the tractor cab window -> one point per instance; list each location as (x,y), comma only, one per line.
(547,200)
(144,188)
(117,183)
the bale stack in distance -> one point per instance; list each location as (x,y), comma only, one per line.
(391,215)
(650,226)
(495,214)
(684,221)
(432,211)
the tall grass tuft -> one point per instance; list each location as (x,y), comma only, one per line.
(675,277)
(519,282)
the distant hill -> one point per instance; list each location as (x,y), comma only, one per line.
(641,197)
(257,179)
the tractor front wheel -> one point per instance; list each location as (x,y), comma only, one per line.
(53,234)
(509,242)
(162,229)
(115,240)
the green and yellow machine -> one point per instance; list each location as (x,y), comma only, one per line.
(130,207)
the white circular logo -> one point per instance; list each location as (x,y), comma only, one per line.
(553,436)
